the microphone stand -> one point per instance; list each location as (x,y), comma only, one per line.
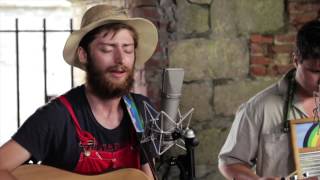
(191,143)
(164,137)
(185,162)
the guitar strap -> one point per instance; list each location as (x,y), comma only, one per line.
(136,119)
(135,115)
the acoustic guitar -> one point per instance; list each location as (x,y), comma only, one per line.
(42,172)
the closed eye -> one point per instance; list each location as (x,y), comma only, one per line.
(314,70)
(128,48)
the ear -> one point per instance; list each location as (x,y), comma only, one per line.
(82,55)
(295,59)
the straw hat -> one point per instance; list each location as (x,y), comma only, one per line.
(104,14)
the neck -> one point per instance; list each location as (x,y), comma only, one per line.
(108,112)
(303,92)
(307,100)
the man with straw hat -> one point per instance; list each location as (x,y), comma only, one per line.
(93,128)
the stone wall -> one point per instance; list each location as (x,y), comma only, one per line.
(230,50)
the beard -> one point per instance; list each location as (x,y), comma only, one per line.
(102,84)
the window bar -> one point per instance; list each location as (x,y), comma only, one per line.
(46,98)
(71,30)
(17,71)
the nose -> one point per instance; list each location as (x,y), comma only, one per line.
(118,55)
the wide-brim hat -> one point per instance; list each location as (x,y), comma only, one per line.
(104,14)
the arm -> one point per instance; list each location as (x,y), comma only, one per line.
(237,171)
(239,153)
(147,170)
(11,156)
(241,172)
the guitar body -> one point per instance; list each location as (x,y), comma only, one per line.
(41,172)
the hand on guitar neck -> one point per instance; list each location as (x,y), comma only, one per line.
(40,172)
(307,178)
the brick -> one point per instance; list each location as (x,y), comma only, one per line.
(285,38)
(150,12)
(302,18)
(159,52)
(287,48)
(256,38)
(157,63)
(316,7)
(301,8)
(147,12)
(159,48)
(282,69)
(293,7)
(258,70)
(155,95)
(260,60)
(156,22)
(277,70)
(137,3)
(256,48)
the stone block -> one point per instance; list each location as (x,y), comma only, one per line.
(203,171)
(304,1)
(259,16)
(222,16)
(211,141)
(282,59)
(191,18)
(228,97)
(201,1)
(198,96)
(210,59)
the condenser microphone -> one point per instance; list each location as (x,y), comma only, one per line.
(168,127)
(172,80)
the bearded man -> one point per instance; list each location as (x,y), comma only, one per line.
(93,128)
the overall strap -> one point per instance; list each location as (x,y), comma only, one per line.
(84,136)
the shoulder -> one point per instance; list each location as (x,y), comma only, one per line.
(142,102)
(274,94)
(55,105)
(76,95)
(49,114)
(267,104)
(52,107)
(266,96)
(139,97)
(262,101)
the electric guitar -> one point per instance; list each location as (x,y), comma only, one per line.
(41,172)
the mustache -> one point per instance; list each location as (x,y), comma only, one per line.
(118,67)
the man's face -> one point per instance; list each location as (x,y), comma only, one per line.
(110,63)
(308,75)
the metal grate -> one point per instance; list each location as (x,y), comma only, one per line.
(310,163)
(44,32)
